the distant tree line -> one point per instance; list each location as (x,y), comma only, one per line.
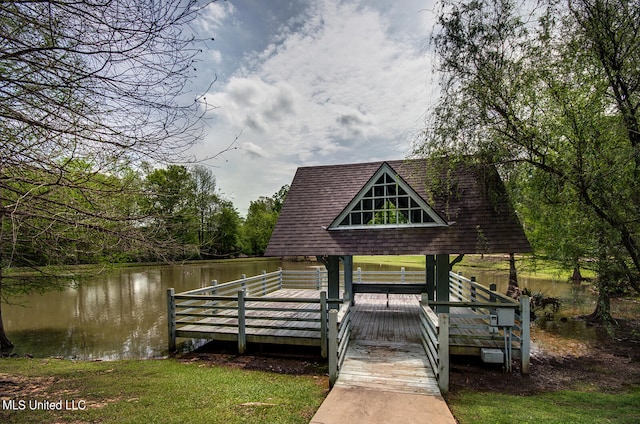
(179,207)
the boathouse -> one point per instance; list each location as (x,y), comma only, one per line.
(434,208)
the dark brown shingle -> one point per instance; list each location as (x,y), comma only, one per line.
(471,197)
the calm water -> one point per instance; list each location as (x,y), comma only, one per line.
(124,314)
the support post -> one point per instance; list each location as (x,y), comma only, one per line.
(347,264)
(242,330)
(442,281)
(280,278)
(525,334)
(264,282)
(323,324)
(443,353)
(333,347)
(171,315)
(430,271)
(333,280)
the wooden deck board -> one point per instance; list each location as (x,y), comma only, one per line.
(387,366)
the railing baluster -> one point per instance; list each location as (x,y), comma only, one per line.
(323,324)
(443,353)
(242,330)
(333,347)
(171,309)
(525,345)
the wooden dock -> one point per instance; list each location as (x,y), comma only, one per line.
(384,328)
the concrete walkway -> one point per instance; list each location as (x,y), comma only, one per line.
(382,382)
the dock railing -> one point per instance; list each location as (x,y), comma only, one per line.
(434,331)
(240,308)
(481,314)
(339,334)
(471,307)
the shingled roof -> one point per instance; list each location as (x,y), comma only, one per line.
(469,212)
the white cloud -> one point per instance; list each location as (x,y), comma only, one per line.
(216,56)
(345,86)
(214,15)
(251,103)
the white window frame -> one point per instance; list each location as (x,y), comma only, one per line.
(435,219)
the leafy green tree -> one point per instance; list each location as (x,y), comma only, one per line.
(279,198)
(258,226)
(87,90)
(171,201)
(551,90)
(226,237)
(207,206)
(388,214)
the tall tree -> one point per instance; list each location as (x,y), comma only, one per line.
(226,234)
(94,83)
(170,203)
(551,88)
(206,204)
(259,224)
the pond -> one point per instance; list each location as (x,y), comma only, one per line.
(123,314)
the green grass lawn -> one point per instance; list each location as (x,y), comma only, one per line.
(527,266)
(159,391)
(170,391)
(561,407)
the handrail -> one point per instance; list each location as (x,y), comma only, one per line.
(220,299)
(339,334)
(434,331)
(242,282)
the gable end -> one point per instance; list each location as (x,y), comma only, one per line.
(387,201)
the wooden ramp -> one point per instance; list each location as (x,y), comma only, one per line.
(385,376)
(387,366)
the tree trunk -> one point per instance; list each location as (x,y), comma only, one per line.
(5,343)
(602,313)
(576,277)
(513,290)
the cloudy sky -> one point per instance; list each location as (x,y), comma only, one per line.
(305,83)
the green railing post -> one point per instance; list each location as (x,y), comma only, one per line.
(333,347)
(525,342)
(443,353)
(323,324)
(214,291)
(474,293)
(242,330)
(492,297)
(171,315)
